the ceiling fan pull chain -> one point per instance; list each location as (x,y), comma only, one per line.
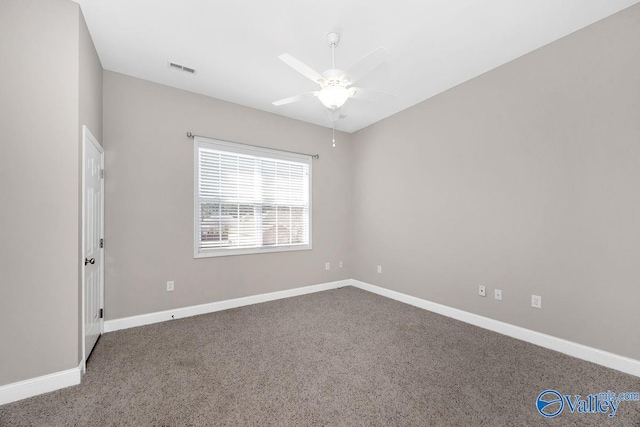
(333,139)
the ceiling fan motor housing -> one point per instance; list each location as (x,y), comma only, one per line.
(335,77)
(335,84)
(333,39)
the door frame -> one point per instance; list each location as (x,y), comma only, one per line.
(87,137)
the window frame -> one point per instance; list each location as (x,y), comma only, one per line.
(238,148)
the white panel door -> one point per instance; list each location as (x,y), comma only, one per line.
(92,237)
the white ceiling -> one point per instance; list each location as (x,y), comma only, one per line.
(234,45)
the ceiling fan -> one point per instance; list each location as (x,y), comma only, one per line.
(335,84)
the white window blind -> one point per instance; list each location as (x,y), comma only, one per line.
(250,199)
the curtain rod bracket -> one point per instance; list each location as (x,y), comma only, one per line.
(313,156)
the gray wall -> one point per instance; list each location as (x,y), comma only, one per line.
(525,179)
(90,84)
(90,115)
(149,200)
(39,188)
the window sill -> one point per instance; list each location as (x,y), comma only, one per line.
(250,251)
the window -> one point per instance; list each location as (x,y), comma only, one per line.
(250,199)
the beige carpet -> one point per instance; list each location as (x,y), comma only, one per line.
(341,357)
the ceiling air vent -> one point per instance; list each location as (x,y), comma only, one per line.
(181,67)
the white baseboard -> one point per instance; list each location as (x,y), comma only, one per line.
(39,385)
(47,383)
(590,354)
(162,316)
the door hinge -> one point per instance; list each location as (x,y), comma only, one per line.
(101,313)
(101,173)
(102,243)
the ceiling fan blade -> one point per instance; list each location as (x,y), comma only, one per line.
(367,64)
(302,68)
(366,94)
(292,99)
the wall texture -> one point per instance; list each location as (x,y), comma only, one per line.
(90,115)
(39,188)
(89,83)
(149,200)
(525,179)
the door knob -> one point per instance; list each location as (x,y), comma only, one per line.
(89,261)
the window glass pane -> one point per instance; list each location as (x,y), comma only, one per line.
(284,225)
(297,224)
(268,225)
(248,200)
(227,220)
(210,230)
(247,236)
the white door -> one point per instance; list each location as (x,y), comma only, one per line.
(92,205)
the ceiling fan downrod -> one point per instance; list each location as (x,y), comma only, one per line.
(335,84)
(332,40)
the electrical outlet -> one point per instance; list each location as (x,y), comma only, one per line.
(497,294)
(379,269)
(170,286)
(340,264)
(482,291)
(536,301)
(327,266)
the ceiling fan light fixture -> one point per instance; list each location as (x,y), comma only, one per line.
(333,96)
(335,84)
